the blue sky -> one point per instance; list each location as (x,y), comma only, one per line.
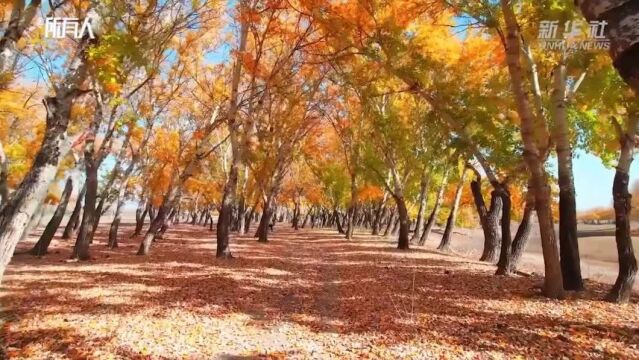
(593,181)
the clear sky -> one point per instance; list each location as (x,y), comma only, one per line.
(593,181)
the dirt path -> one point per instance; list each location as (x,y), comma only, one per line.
(305,295)
(598,253)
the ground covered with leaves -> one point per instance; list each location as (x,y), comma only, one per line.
(305,295)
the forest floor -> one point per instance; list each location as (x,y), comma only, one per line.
(308,294)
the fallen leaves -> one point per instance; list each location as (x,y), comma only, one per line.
(305,295)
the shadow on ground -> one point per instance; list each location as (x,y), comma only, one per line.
(305,294)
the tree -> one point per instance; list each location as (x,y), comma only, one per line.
(17,212)
(228,196)
(452,217)
(42,246)
(534,155)
(624,54)
(621,18)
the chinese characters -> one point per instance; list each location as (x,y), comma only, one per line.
(574,36)
(59,28)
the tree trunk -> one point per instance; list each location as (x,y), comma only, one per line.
(249,218)
(391,220)
(296,216)
(503,265)
(622,289)
(531,129)
(444,245)
(306,217)
(139,220)
(72,223)
(488,218)
(433,215)
(622,18)
(568,242)
(25,201)
(206,218)
(350,218)
(403,240)
(337,222)
(151,213)
(113,230)
(4,175)
(265,222)
(379,213)
(85,235)
(99,211)
(115,224)
(522,235)
(423,200)
(20,19)
(395,228)
(241,225)
(228,198)
(42,246)
(151,233)
(202,216)
(226,210)
(165,223)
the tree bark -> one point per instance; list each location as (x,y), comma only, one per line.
(72,223)
(226,210)
(228,198)
(622,18)
(352,209)
(379,214)
(444,245)
(395,228)
(391,220)
(402,211)
(17,212)
(568,242)
(296,215)
(306,217)
(20,19)
(42,246)
(433,215)
(530,129)
(117,217)
(503,265)
(423,200)
(523,234)
(249,218)
(488,218)
(340,229)
(4,175)
(151,233)
(622,289)
(85,235)
(265,221)
(242,203)
(140,215)
(99,211)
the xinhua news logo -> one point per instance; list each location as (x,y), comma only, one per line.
(575,35)
(59,28)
